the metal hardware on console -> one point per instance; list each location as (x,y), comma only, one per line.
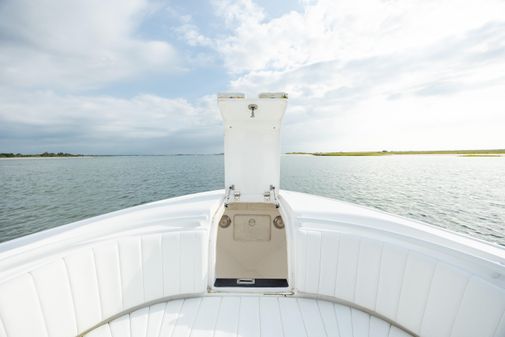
(228,195)
(225,221)
(266,195)
(236,195)
(273,192)
(252,107)
(278,222)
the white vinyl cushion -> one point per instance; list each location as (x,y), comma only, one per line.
(73,293)
(56,299)
(426,296)
(247,316)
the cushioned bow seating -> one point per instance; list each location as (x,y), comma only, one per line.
(247,316)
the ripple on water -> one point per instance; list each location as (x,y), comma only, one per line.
(464,196)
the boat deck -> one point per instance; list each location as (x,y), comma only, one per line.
(243,316)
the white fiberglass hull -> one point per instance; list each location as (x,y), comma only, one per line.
(380,275)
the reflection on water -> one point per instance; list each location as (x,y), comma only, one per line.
(462,194)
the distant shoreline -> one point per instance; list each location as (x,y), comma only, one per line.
(40,155)
(461,153)
(69,155)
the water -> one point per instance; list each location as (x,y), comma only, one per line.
(462,194)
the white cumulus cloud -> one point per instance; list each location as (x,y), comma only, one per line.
(362,75)
(76,44)
(376,74)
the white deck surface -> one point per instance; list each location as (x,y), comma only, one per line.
(245,316)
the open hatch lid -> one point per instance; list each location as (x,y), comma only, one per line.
(252,145)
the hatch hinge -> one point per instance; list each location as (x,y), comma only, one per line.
(231,193)
(273,195)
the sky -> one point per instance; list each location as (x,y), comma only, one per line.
(141,76)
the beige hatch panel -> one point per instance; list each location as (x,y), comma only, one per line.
(251,242)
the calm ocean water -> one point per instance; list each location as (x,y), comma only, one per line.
(462,194)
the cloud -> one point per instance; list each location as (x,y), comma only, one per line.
(344,30)
(72,45)
(417,74)
(104,124)
(56,58)
(191,34)
(385,74)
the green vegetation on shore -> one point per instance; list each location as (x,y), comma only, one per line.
(45,154)
(62,154)
(479,155)
(462,153)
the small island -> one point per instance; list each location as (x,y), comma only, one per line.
(461,153)
(39,155)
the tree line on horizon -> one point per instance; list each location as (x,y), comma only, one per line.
(44,154)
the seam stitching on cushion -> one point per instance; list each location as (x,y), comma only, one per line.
(356,270)
(97,283)
(378,277)
(334,308)
(44,319)
(142,268)
(321,315)
(459,305)
(402,284)
(499,323)
(320,261)
(67,272)
(428,296)
(120,273)
(303,318)
(337,265)
(217,316)
(238,316)
(280,316)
